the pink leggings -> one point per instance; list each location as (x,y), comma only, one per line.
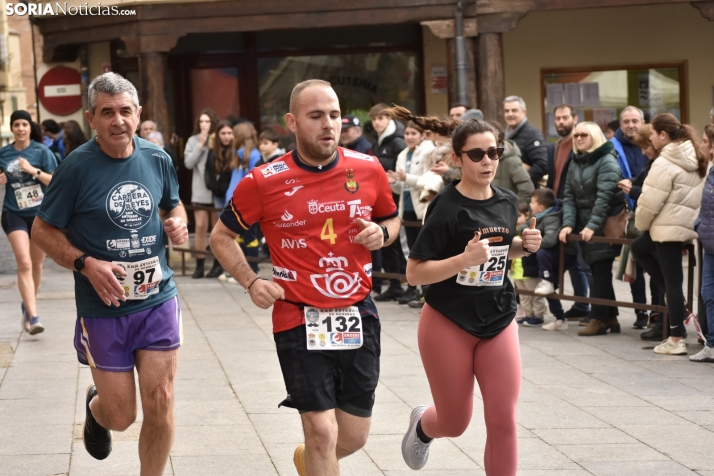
(451,358)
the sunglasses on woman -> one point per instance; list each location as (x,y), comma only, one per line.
(477,155)
(579,135)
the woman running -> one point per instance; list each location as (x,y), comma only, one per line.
(26,168)
(467,326)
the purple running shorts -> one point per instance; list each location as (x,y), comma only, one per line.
(109,343)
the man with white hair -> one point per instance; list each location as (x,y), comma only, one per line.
(117,197)
(146,128)
(529,139)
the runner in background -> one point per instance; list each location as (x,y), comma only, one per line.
(26,168)
(467,326)
(322,209)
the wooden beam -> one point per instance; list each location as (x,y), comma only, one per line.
(137,44)
(152,69)
(445,28)
(706,9)
(491,82)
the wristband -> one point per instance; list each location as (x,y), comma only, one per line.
(251,284)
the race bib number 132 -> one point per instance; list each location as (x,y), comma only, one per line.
(490,273)
(333,329)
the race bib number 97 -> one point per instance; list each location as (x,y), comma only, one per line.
(142,278)
(333,329)
(490,273)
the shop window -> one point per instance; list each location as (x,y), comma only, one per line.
(599,94)
(215,88)
(360,80)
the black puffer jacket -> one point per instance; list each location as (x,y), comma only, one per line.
(216,183)
(533,150)
(390,147)
(591,195)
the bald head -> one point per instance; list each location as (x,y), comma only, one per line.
(300,87)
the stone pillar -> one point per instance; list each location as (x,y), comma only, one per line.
(490,77)
(152,69)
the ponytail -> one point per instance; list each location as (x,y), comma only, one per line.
(679,132)
(458,130)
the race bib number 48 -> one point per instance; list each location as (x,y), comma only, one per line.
(333,329)
(142,278)
(29,197)
(490,273)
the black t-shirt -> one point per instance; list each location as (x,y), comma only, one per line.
(480,299)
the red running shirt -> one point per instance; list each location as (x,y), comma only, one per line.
(308,216)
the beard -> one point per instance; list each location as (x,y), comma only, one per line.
(313,150)
(565,131)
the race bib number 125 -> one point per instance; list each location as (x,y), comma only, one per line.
(490,273)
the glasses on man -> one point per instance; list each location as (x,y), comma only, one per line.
(477,155)
(580,135)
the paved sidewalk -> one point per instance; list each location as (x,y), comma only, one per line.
(598,405)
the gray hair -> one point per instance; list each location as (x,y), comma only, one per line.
(634,109)
(711,113)
(514,99)
(110,83)
(472,114)
(156,135)
(147,122)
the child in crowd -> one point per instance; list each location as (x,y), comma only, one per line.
(549,220)
(534,307)
(516,267)
(268,146)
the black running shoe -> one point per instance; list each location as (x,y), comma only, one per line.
(97,439)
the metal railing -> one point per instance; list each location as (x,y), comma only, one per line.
(559,294)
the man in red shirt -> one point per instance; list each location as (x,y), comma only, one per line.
(322,209)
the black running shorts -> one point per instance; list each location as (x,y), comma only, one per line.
(12,222)
(319,380)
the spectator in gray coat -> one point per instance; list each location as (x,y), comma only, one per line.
(195,156)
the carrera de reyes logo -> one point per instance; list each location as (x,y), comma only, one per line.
(130,205)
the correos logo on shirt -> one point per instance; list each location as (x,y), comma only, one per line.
(130,205)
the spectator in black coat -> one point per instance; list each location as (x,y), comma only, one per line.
(529,138)
(351,136)
(390,137)
(389,143)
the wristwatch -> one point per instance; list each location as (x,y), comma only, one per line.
(79,262)
(386,232)
(37,174)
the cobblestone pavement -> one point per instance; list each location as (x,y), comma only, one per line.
(589,406)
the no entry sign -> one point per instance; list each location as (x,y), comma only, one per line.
(60,90)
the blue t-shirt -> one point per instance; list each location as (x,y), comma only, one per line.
(110,208)
(21,186)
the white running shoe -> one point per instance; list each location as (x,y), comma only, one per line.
(671,347)
(414,451)
(544,288)
(556,325)
(36,326)
(704,355)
